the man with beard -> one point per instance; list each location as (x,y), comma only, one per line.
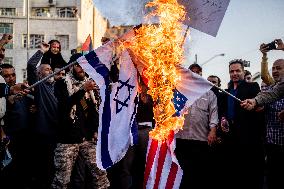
(45,117)
(17,127)
(78,103)
(246,131)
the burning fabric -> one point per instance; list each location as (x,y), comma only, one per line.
(158,54)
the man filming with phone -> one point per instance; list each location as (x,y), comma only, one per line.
(277,44)
(274,124)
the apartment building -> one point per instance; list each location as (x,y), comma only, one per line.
(69,21)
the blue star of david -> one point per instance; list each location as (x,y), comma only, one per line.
(120,102)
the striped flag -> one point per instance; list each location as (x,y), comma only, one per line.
(162,169)
(117,126)
(117,117)
(87,45)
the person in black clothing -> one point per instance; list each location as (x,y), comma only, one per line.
(17,127)
(45,118)
(246,130)
(78,102)
(53,56)
(129,172)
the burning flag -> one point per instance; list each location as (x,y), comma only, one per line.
(160,47)
(158,54)
(117,129)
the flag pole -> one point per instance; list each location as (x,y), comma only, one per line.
(51,75)
(227,93)
(185,34)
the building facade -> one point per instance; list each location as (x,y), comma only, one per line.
(69,21)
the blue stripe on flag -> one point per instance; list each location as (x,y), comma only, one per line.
(94,61)
(134,126)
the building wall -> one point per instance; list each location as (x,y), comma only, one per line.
(77,28)
(85,23)
(100,27)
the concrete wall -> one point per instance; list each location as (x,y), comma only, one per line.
(88,21)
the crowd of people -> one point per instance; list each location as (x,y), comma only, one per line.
(49,133)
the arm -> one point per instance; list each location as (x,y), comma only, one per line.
(270,96)
(213,118)
(31,67)
(6,38)
(33,61)
(265,76)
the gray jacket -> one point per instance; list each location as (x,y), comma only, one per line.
(275,94)
(202,115)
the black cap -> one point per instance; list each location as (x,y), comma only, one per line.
(195,66)
(74,57)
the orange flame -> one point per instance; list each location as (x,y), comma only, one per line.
(160,46)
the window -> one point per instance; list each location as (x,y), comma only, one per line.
(7,11)
(8,60)
(6,28)
(66,12)
(43,12)
(35,40)
(24,71)
(64,41)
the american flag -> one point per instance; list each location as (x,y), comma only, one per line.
(162,168)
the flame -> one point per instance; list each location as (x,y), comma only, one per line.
(160,46)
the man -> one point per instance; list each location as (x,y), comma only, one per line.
(274,125)
(59,75)
(78,102)
(198,134)
(17,127)
(219,94)
(45,117)
(6,38)
(277,92)
(248,76)
(220,151)
(246,132)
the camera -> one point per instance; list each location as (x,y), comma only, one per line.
(271,46)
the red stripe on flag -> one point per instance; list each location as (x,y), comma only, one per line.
(161,161)
(171,137)
(172,176)
(150,159)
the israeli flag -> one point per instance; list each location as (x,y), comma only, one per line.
(117,126)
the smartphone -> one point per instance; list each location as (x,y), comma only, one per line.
(271,46)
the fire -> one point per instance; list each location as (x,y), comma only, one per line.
(160,46)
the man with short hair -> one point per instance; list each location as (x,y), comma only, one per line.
(196,137)
(45,117)
(17,127)
(246,130)
(8,73)
(274,126)
(248,76)
(78,103)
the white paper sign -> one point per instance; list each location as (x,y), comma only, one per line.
(205,15)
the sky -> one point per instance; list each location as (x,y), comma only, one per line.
(245,26)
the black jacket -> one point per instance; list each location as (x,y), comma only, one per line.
(247,127)
(86,121)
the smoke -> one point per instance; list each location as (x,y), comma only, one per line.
(122,12)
